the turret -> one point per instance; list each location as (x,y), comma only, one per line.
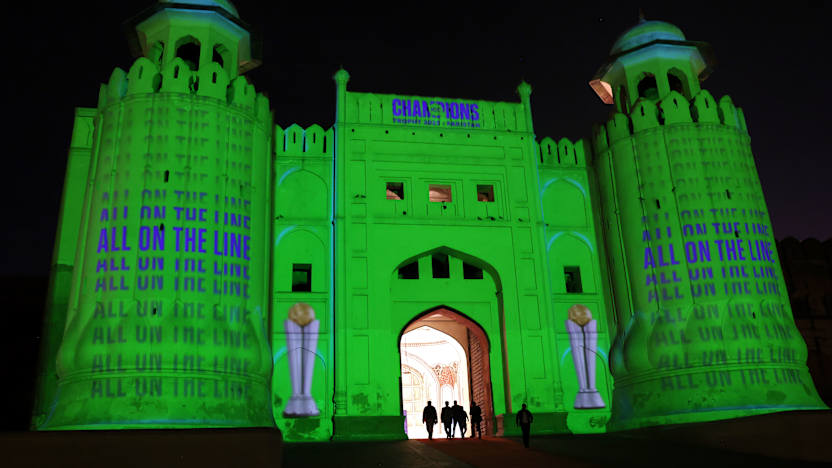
(200,32)
(167,315)
(648,62)
(703,325)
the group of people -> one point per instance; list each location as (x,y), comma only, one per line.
(453,417)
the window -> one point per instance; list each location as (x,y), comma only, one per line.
(471,272)
(572,277)
(647,87)
(220,55)
(187,49)
(675,83)
(678,82)
(395,191)
(301,277)
(409,271)
(485,193)
(441,268)
(439,193)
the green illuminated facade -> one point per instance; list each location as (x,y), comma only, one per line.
(212,269)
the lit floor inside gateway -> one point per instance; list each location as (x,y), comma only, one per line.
(444,358)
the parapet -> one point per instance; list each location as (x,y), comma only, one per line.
(295,141)
(674,109)
(210,81)
(467,114)
(563,153)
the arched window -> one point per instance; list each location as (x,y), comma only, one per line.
(647,88)
(221,55)
(187,49)
(678,82)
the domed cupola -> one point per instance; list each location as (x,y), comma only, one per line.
(648,61)
(199,32)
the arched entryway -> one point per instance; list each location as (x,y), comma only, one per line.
(444,357)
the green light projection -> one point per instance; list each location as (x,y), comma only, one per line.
(213,269)
(167,316)
(704,326)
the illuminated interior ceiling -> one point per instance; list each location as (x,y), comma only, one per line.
(442,367)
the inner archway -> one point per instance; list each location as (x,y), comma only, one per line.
(444,357)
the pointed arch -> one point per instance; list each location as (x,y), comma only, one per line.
(647,87)
(678,81)
(188,48)
(301,194)
(475,382)
(564,202)
(466,258)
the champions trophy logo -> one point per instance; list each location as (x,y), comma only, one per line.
(301,343)
(583,337)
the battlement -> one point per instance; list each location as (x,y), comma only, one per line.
(672,110)
(295,141)
(563,153)
(210,81)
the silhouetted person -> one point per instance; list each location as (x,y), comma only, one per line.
(455,412)
(461,418)
(447,420)
(476,419)
(429,418)
(524,420)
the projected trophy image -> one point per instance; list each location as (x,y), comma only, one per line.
(301,344)
(583,338)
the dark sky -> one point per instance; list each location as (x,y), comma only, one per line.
(773,61)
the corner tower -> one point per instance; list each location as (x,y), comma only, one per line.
(167,305)
(703,325)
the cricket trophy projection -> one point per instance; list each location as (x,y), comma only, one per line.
(212,269)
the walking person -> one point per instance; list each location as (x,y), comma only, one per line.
(476,419)
(524,420)
(455,411)
(447,420)
(461,418)
(429,418)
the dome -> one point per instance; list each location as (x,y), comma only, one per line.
(644,32)
(224,4)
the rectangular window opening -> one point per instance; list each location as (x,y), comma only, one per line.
(485,193)
(395,191)
(572,277)
(301,277)
(439,193)
(471,272)
(441,267)
(409,271)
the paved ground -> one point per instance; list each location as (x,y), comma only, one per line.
(793,439)
(554,451)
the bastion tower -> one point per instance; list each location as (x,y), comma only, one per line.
(704,329)
(164,230)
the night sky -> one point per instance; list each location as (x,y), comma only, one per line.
(773,61)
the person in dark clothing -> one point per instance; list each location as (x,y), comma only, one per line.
(429,418)
(461,418)
(455,412)
(476,419)
(447,420)
(524,420)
